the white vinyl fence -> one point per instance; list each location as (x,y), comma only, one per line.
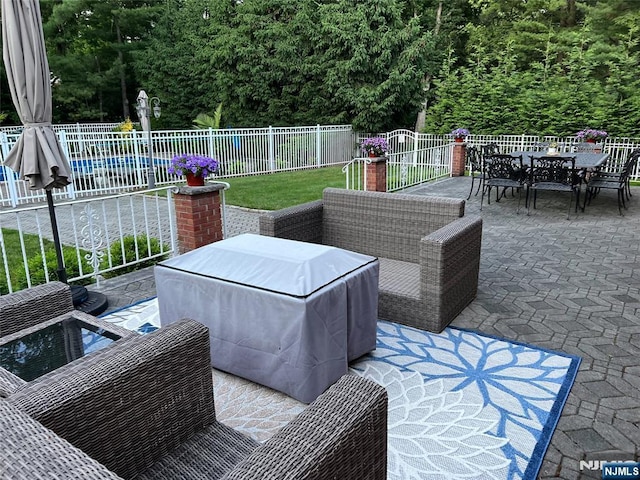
(413,158)
(106,162)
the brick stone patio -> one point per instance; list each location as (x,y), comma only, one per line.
(569,285)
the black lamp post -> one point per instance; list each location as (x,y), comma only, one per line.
(144,108)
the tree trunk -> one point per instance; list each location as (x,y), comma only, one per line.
(123,81)
(422,114)
(570,19)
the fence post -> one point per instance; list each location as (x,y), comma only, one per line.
(318,145)
(198,216)
(210,143)
(272,153)
(9,177)
(458,159)
(71,188)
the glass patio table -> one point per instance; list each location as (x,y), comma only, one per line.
(35,351)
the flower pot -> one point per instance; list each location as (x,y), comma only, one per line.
(195,180)
(591,140)
(373,155)
(459,139)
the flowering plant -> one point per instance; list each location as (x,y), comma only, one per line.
(199,165)
(377,146)
(590,133)
(460,133)
(126,126)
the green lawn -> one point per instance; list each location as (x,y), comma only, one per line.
(282,189)
(14,255)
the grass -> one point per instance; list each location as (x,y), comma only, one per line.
(14,253)
(282,189)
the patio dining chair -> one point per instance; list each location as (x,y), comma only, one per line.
(619,181)
(475,169)
(502,171)
(555,174)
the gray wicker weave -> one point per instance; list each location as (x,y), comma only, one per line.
(30,451)
(429,252)
(29,307)
(144,408)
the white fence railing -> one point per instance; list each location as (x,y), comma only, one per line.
(99,236)
(413,158)
(106,162)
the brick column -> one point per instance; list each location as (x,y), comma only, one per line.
(376,174)
(458,159)
(198,216)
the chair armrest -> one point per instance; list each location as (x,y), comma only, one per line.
(300,222)
(342,434)
(9,383)
(30,451)
(450,265)
(33,305)
(129,404)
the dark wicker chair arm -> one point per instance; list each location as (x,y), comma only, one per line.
(342,434)
(300,222)
(31,306)
(450,264)
(129,404)
(31,451)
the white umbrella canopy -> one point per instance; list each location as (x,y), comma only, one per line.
(37,155)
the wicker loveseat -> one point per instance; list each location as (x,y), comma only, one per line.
(429,251)
(144,408)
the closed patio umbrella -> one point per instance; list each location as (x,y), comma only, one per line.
(37,156)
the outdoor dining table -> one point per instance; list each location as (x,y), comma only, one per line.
(584,160)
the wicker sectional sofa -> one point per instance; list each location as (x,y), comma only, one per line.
(144,408)
(429,251)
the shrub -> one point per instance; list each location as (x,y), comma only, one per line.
(37,272)
(124,251)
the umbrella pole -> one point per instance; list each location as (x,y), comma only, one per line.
(62,273)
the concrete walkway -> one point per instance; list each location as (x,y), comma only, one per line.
(568,285)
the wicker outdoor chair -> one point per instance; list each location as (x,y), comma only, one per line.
(429,252)
(31,306)
(144,409)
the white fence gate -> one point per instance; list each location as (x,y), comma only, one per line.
(413,158)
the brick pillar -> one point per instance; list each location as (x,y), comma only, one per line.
(458,159)
(198,216)
(376,175)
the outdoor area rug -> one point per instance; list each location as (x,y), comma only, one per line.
(461,404)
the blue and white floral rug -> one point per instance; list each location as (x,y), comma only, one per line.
(461,404)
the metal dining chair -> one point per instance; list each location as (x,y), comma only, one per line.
(489,149)
(475,168)
(619,181)
(554,173)
(502,171)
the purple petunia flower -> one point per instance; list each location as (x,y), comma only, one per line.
(199,165)
(374,146)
